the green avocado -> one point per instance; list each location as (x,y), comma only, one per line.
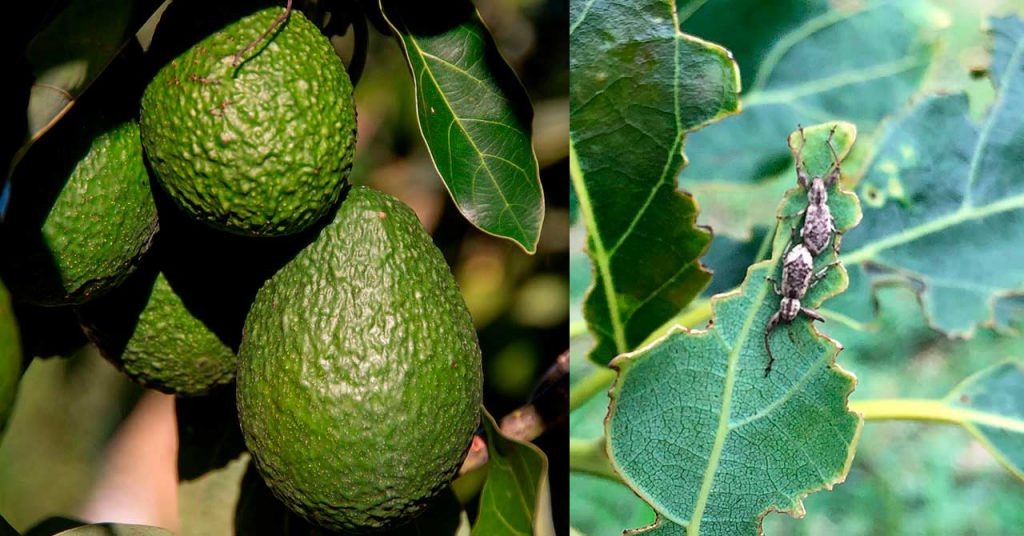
(359,379)
(82,213)
(261,148)
(148,332)
(10,357)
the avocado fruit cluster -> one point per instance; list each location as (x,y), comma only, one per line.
(209,240)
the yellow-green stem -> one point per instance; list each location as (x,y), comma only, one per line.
(585,389)
(931,410)
(588,456)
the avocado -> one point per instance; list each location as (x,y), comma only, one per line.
(176,325)
(81,212)
(359,379)
(10,357)
(261,148)
(146,330)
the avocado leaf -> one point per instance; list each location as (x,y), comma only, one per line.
(207,503)
(990,405)
(515,498)
(474,115)
(638,87)
(944,199)
(71,52)
(115,529)
(803,62)
(697,429)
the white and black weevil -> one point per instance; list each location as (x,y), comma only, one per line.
(798,276)
(819,226)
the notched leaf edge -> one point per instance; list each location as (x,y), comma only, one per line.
(622,362)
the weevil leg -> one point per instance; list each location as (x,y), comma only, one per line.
(820,274)
(834,172)
(775,284)
(772,322)
(812,314)
(835,242)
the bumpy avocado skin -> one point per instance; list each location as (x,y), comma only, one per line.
(359,379)
(261,149)
(82,213)
(147,331)
(10,357)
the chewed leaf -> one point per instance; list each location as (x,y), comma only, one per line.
(944,198)
(474,117)
(858,61)
(639,86)
(699,432)
(993,406)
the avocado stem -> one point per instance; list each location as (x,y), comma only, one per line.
(277,22)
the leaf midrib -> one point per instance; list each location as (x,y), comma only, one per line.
(1012,66)
(723,418)
(838,80)
(962,215)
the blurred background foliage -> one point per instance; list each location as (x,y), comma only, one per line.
(907,477)
(68,409)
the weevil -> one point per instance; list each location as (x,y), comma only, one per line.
(819,226)
(798,276)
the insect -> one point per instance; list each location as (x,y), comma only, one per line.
(798,276)
(819,225)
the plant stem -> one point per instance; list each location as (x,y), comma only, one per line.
(931,410)
(585,389)
(577,328)
(588,456)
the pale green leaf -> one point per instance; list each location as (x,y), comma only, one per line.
(699,432)
(638,87)
(991,404)
(944,199)
(805,62)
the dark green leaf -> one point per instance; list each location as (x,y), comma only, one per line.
(474,116)
(514,498)
(70,53)
(638,86)
(859,63)
(944,199)
(703,436)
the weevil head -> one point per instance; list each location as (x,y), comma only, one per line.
(817,194)
(789,308)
